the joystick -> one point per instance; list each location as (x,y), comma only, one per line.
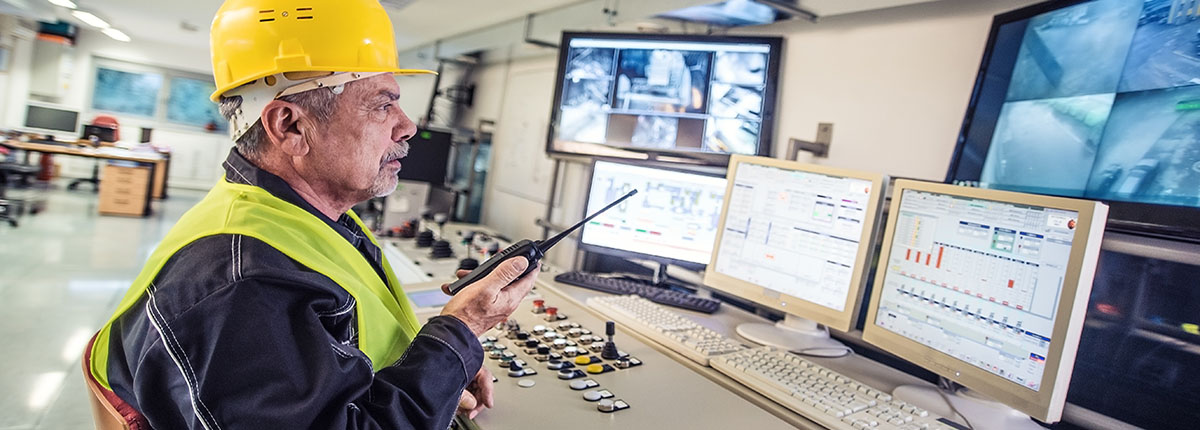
(425,239)
(468,264)
(441,249)
(610,349)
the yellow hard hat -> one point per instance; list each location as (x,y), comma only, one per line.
(252,39)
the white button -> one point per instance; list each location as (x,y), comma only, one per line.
(526,383)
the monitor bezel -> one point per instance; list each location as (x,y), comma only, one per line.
(621,253)
(51,131)
(770,99)
(1046,404)
(1150,219)
(842,320)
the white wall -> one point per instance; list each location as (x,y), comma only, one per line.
(895,83)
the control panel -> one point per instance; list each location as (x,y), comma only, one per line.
(427,252)
(556,362)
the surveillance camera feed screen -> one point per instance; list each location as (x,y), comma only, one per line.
(663,96)
(1102,102)
(674,214)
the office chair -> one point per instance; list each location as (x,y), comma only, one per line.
(100,121)
(108,410)
(11,208)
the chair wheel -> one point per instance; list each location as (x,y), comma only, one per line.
(12,222)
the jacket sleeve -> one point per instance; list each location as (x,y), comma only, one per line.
(255,355)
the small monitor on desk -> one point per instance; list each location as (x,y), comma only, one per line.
(102,133)
(42,118)
(672,219)
(987,289)
(796,238)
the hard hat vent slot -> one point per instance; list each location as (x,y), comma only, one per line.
(266,12)
(304,9)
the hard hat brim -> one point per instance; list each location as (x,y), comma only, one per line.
(216,95)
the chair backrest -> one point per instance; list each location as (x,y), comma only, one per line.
(109,411)
(110,122)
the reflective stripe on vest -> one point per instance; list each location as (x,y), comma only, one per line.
(386,324)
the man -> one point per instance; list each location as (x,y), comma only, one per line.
(269,305)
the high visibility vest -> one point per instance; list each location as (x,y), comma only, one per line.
(386,323)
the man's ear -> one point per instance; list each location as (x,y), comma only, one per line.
(281,121)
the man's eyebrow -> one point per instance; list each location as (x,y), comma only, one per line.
(387,94)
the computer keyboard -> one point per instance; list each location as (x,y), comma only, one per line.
(665,327)
(625,286)
(822,395)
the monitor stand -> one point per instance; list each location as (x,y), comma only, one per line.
(984,413)
(794,334)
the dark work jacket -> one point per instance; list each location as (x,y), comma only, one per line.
(271,344)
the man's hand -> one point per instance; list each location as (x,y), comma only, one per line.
(478,394)
(491,300)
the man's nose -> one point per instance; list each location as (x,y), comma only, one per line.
(405,129)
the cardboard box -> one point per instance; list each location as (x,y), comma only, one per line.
(125,189)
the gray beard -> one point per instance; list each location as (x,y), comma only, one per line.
(383,188)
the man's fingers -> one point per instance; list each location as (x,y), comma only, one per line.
(446,289)
(515,292)
(509,271)
(467,402)
(461,273)
(484,387)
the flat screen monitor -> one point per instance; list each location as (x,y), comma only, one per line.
(1092,99)
(428,157)
(796,238)
(987,288)
(639,95)
(52,119)
(672,219)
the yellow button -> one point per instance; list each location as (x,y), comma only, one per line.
(582,360)
(595,368)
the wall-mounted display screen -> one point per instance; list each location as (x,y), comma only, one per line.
(701,97)
(1095,99)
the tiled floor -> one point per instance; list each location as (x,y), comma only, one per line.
(62,272)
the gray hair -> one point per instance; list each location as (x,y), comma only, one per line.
(318,103)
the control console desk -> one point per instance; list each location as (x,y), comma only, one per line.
(661,388)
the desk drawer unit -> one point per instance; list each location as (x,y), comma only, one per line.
(125,190)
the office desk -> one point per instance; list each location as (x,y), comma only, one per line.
(161,161)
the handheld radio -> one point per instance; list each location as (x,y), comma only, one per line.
(532,250)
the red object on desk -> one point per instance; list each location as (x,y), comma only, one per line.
(47,165)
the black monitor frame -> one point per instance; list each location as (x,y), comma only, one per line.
(1146,219)
(29,112)
(621,253)
(429,158)
(770,98)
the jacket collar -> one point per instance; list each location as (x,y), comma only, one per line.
(239,170)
